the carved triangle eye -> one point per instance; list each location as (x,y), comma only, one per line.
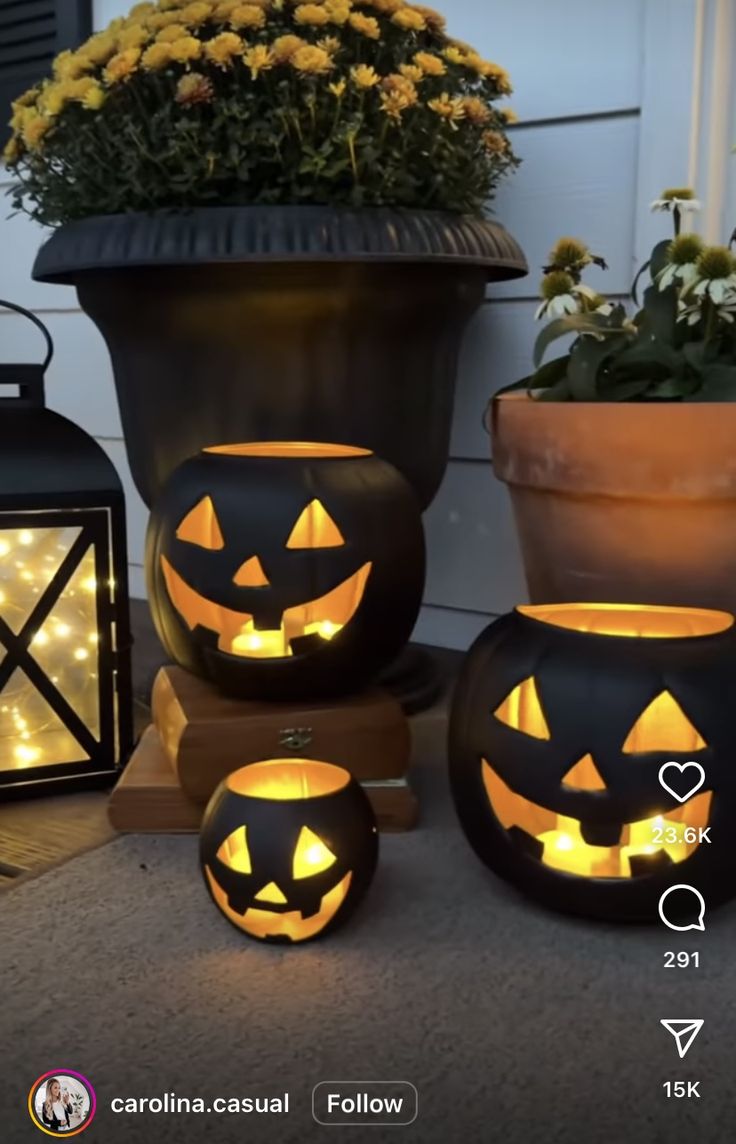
(522,711)
(234,852)
(663,726)
(315,528)
(584,776)
(201,527)
(311,855)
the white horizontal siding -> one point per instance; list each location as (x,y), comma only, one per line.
(566,59)
(577,178)
(136,511)
(473,555)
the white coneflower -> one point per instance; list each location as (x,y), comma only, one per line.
(561,295)
(716,275)
(677,198)
(682,261)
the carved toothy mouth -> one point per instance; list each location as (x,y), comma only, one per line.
(630,850)
(302,627)
(289,924)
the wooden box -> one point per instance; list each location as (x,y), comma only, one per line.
(206,736)
(149,799)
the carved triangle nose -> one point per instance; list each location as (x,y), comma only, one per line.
(271,893)
(251,574)
(584,776)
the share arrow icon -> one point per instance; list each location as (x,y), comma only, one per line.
(684,1030)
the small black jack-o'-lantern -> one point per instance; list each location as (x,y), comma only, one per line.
(562,720)
(285,570)
(288,848)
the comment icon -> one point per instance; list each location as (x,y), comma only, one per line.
(682,908)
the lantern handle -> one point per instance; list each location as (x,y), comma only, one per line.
(39,325)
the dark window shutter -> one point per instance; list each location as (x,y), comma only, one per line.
(32,32)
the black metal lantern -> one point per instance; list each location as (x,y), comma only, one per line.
(65,686)
(285,569)
(562,721)
(288,848)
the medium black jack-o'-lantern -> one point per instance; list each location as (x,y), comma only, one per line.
(562,719)
(288,848)
(285,570)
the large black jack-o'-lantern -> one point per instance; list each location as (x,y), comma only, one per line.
(285,570)
(288,847)
(562,719)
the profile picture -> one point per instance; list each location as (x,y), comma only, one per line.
(62,1103)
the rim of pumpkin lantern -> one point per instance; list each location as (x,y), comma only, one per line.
(304,234)
(627,620)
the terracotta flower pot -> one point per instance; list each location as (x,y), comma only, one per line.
(620,503)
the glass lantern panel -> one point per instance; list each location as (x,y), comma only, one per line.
(29,560)
(31,733)
(66,646)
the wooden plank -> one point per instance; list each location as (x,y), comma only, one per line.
(580,179)
(566,60)
(206,735)
(149,800)
(474,560)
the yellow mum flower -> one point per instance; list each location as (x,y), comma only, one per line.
(225,8)
(11,151)
(139,11)
(338,89)
(476,110)
(338,11)
(196,14)
(411,72)
(430,65)
(454,56)
(366,25)
(434,20)
(100,48)
(133,37)
(311,60)
(409,19)
(495,72)
(258,59)
(508,115)
(313,14)
(495,143)
(330,44)
(53,99)
(394,104)
(27,99)
(402,86)
(70,65)
(248,16)
(94,98)
(164,20)
(156,57)
(194,88)
(284,47)
(448,107)
(387,7)
(185,50)
(122,65)
(222,50)
(36,127)
(364,76)
(172,33)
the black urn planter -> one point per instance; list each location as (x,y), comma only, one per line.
(277,323)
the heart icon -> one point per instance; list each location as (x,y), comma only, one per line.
(696,782)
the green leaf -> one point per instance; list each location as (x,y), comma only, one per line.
(659,259)
(549,373)
(558,392)
(658,317)
(596,324)
(586,359)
